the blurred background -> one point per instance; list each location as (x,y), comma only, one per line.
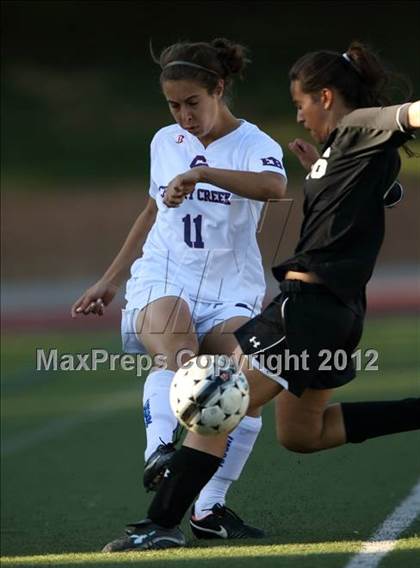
(81,101)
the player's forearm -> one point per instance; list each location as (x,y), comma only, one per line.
(260,186)
(414,115)
(131,249)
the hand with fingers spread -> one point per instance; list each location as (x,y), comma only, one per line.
(306,153)
(181,186)
(94,300)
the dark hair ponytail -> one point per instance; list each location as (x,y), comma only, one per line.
(358,75)
(210,62)
(232,56)
(373,77)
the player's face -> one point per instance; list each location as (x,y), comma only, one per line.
(311,112)
(192,107)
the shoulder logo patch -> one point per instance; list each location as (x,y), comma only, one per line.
(271,161)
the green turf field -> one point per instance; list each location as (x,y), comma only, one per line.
(72,463)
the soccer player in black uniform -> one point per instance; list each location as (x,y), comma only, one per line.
(321,305)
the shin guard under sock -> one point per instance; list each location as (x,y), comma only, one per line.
(187,473)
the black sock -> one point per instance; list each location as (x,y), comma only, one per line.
(189,471)
(364,420)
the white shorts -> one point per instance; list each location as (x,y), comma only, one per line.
(204,315)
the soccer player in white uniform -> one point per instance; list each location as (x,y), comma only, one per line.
(200,275)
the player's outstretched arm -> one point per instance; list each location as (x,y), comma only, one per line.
(95,298)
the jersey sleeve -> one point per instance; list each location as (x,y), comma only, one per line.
(265,154)
(153,187)
(369,128)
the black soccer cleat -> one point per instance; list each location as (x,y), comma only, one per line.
(155,466)
(146,535)
(222,522)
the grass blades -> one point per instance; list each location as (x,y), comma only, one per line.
(73,455)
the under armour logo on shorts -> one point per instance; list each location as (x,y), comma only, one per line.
(254,342)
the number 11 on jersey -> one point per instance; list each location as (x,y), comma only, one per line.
(198,243)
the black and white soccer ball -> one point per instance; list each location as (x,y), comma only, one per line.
(209,395)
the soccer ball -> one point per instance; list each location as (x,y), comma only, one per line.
(208,395)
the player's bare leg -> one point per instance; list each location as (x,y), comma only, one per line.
(165,328)
(262,389)
(309,423)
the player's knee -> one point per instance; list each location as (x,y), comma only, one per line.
(302,444)
(170,352)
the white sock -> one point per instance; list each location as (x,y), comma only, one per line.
(159,420)
(239,447)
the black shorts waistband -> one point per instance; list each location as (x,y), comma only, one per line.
(303,287)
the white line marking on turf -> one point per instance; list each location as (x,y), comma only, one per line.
(385,538)
(55,428)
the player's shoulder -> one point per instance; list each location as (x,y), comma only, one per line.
(252,133)
(359,117)
(171,133)
(392,117)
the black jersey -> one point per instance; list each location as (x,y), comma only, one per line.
(343,225)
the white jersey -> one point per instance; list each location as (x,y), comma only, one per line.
(208,244)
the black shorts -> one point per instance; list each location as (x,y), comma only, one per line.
(304,338)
